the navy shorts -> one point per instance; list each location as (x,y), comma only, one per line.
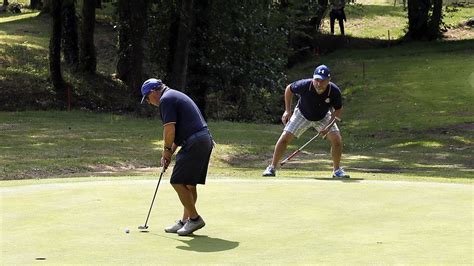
(192,160)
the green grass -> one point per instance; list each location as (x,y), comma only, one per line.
(248,222)
(375,21)
(47,144)
(408,116)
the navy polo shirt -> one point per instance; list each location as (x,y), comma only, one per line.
(312,105)
(177,107)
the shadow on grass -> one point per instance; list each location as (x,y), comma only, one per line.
(202,243)
(343,180)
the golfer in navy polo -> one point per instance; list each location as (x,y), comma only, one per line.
(183,126)
(319,106)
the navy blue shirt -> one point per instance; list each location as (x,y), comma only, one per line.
(312,105)
(177,107)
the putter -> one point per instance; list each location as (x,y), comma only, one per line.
(298,150)
(145,226)
(309,141)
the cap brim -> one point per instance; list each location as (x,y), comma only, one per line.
(144,98)
(319,77)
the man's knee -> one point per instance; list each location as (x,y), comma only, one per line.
(286,137)
(335,138)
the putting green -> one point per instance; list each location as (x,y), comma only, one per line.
(248,222)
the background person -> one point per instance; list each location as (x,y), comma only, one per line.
(183,125)
(337,12)
(316,97)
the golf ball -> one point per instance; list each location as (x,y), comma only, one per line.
(127,230)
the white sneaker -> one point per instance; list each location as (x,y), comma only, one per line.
(191,226)
(175,227)
(270,171)
(340,173)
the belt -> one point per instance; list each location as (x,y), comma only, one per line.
(196,135)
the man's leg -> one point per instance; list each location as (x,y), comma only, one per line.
(331,23)
(280,147)
(188,196)
(336,148)
(341,25)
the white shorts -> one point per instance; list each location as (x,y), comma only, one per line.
(298,124)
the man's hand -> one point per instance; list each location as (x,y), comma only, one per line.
(324,132)
(166,158)
(285,117)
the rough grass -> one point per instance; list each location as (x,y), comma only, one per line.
(48,144)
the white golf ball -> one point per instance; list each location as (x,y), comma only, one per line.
(127,230)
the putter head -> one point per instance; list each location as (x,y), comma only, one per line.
(143,227)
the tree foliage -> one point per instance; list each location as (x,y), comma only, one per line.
(237,57)
(229,56)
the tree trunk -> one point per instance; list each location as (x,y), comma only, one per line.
(422,26)
(198,70)
(435,20)
(5,3)
(179,68)
(70,35)
(417,19)
(132,28)
(55,52)
(173,33)
(46,6)
(34,4)
(87,54)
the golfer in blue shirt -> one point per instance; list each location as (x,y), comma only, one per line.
(183,126)
(319,106)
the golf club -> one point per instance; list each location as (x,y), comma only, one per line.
(309,141)
(145,226)
(298,150)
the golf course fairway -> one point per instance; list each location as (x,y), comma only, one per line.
(247,222)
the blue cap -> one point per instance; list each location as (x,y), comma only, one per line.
(322,72)
(148,86)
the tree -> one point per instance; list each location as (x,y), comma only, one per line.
(236,57)
(181,53)
(132,27)
(303,23)
(35,4)
(434,25)
(55,51)
(70,35)
(424,19)
(198,74)
(87,54)
(46,6)
(5,3)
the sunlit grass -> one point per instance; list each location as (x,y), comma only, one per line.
(464,139)
(4,19)
(457,16)
(428,144)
